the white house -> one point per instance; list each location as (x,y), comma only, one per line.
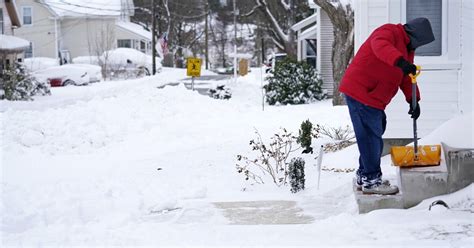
(315,37)
(72,28)
(446,80)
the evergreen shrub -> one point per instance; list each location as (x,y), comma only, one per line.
(296,174)
(294,83)
(18,85)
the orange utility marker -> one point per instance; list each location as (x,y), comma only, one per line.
(415,156)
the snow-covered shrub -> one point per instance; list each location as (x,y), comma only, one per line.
(296,174)
(220,92)
(294,83)
(17,84)
(271,159)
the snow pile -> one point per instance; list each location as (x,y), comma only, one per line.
(461,200)
(462,138)
(93,60)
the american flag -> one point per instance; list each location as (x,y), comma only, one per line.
(164,43)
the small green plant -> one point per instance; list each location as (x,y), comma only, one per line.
(296,174)
(220,92)
(305,136)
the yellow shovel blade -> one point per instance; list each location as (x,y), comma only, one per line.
(428,155)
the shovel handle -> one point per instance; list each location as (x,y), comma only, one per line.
(414,103)
(413,77)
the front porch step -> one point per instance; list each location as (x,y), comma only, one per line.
(455,172)
(417,184)
(367,203)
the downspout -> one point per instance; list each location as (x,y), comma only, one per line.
(56,37)
(318,40)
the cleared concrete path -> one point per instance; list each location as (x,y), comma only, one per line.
(263,213)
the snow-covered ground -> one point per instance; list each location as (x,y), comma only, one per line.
(131,163)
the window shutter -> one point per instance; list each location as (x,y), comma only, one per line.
(431,9)
(1,21)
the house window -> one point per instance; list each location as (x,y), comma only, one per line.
(311,52)
(143,46)
(432,10)
(1,21)
(124,43)
(27,15)
(29,51)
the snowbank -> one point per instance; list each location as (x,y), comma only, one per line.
(457,132)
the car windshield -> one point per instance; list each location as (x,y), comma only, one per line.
(279,58)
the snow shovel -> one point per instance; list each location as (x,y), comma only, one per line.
(416,156)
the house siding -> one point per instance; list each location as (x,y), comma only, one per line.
(122,33)
(41,32)
(440,82)
(95,36)
(467,57)
(378,14)
(325,52)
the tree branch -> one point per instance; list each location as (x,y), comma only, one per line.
(285,5)
(252,11)
(273,21)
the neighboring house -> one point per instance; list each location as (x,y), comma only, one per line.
(72,28)
(132,35)
(9,18)
(315,37)
(11,48)
(446,81)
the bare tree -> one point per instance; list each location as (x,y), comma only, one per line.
(100,43)
(342,18)
(280,16)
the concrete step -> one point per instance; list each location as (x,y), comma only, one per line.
(367,203)
(416,184)
(419,183)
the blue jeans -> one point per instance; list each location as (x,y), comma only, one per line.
(369,125)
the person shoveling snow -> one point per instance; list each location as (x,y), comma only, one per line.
(381,66)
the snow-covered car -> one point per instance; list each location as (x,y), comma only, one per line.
(273,60)
(225,70)
(64,75)
(94,71)
(39,63)
(123,62)
(131,59)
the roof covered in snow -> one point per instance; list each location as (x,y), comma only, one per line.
(11,43)
(80,8)
(305,22)
(135,28)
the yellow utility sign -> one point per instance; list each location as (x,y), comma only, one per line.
(194,67)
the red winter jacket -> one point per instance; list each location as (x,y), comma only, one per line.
(372,78)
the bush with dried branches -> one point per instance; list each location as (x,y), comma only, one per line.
(272,159)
